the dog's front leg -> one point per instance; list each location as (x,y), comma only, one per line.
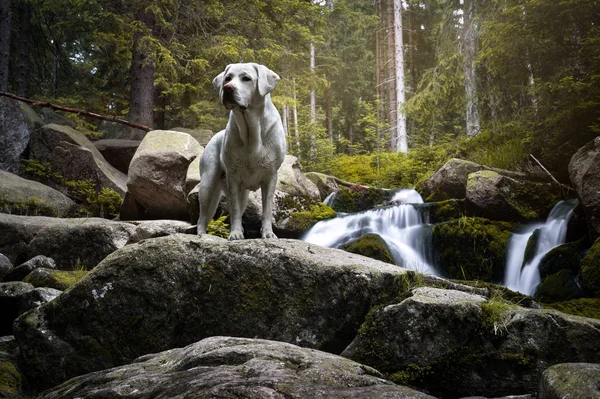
(268,191)
(237,199)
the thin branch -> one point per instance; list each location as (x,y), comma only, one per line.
(550,174)
(77,111)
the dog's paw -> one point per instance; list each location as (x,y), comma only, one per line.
(236,235)
(269,234)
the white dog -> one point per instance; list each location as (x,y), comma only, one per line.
(248,153)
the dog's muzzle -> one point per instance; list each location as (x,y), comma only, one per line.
(230,100)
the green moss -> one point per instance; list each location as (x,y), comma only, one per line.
(218,227)
(560,286)
(372,246)
(57,279)
(472,248)
(531,247)
(302,221)
(566,256)
(496,313)
(359,198)
(446,210)
(411,375)
(590,270)
(10,380)
(585,307)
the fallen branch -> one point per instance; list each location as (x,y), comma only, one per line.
(76,111)
(550,174)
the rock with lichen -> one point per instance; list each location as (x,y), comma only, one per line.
(570,380)
(454,344)
(172,291)
(237,367)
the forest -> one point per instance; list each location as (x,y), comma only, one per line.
(378,92)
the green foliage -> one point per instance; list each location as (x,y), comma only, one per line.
(57,279)
(589,274)
(94,201)
(496,313)
(302,221)
(218,227)
(32,206)
(10,380)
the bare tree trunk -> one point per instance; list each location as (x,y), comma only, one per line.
(284,120)
(411,51)
(402,144)
(329,113)
(391,73)
(313,95)
(22,78)
(470,51)
(141,98)
(5,23)
(295,114)
(56,82)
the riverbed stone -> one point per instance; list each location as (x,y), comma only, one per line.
(570,380)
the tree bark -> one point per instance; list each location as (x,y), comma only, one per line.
(470,51)
(5,24)
(313,95)
(22,78)
(295,115)
(329,113)
(402,143)
(141,99)
(391,81)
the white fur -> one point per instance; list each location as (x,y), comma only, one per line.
(248,153)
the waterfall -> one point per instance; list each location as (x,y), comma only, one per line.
(526,278)
(403,226)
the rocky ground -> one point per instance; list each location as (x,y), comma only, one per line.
(141,307)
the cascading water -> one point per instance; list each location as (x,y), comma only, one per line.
(404,228)
(526,278)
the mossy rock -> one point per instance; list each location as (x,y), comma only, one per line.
(302,221)
(57,279)
(557,287)
(11,381)
(446,210)
(472,248)
(567,256)
(372,246)
(359,198)
(585,307)
(530,248)
(589,274)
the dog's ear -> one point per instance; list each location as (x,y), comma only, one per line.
(218,81)
(267,79)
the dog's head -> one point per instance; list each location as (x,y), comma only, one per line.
(240,85)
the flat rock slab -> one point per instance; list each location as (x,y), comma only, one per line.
(571,380)
(171,291)
(224,367)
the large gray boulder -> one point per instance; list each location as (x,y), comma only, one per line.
(18,273)
(157,174)
(172,291)
(18,231)
(118,152)
(455,344)
(224,367)
(292,181)
(584,172)
(450,181)
(74,156)
(202,136)
(326,184)
(17,121)
(494,196)
(81,244)
(570,380)
(27,196)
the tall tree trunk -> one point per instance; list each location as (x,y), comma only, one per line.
(329,113)
(313,95)
(411,50)
(5,23)
(295,114)
(402,144)
(470,51)
(22,78)
(284,120)
(56,82)
(141,98)
(391,74)
(160,115)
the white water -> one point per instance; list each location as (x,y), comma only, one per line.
(526,278)
(403,227)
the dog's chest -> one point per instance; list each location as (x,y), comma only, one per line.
(249,170)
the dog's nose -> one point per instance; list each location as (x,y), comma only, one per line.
(228,88)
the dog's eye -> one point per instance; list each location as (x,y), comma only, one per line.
(227,78)
(246,78)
